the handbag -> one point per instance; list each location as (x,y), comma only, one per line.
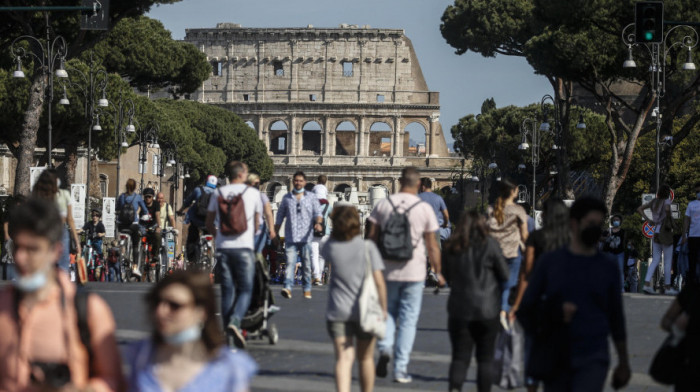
(371,313)
(665,234)
(668,360)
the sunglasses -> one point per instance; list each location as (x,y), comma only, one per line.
(298,208)
(172,305)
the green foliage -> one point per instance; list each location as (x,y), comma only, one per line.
(144,51)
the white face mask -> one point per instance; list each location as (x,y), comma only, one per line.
(185,336)
(31,283)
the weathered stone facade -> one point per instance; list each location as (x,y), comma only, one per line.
(332,101)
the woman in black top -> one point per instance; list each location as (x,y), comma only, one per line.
(477,270)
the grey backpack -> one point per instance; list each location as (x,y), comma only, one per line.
(395,241)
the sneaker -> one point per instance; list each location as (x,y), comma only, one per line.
(317,282)
(384,359)
(402,377)
(238,339)
(287,293)
(503,318)
(273,309)
(307,294)
(671,291)
(648,290)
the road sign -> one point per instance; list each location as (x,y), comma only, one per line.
(648,230)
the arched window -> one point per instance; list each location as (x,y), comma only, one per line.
(278,137)
(311,137)
(345,138)
(380,137)
(250,124)
(341,188)
(414,144)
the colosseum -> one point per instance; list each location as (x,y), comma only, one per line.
(333,101)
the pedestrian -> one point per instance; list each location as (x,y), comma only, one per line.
(187,350)
(633,261)
(474,263)
(660,208)
(302,211)
(235,257)
(615,244)
(47,342)
(130,207)
(683,319)
(507,223)
(196,204)
(95,231)
(691,235)
(151,223)
(8,264)
(553,235)
(47,187)
(320,237)
(576,289)
(266,226)
(439,207)
(346,251)
(404,278)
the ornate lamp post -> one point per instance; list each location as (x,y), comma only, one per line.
(658,54)
(49,54)
(534,147)
(147,139)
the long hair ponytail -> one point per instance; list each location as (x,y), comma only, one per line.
(505,189)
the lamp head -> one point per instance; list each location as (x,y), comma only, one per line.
(475,179)
(629,63)
(103,102)
(64,100)
(689,65)
(18,72)
(125,144)
(523,146)
(61,71)
(581,124)
(544,127)
(521,166)
(493,165)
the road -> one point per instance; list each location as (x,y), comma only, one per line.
(303,358)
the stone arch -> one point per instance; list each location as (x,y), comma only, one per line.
(279,137)
(311,137)
(345,138)
(381,135)
(270,189)
(415,143)
(341,188)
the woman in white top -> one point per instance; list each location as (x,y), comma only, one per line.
(660,208)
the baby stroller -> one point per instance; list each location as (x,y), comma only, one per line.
(255,323)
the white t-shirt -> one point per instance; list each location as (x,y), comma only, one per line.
(321,191)
(693,212)
(423,220)
(253,205)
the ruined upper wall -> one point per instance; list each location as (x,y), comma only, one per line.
(349,64)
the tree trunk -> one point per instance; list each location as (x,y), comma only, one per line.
(28,135)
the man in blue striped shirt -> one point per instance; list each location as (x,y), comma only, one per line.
(303,213)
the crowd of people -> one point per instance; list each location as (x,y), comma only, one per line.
(561,284)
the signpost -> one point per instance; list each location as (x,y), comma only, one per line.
(108,216)
(77,194)
(648,230)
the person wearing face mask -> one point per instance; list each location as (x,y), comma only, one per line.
(40,336)
(691,235)
(187,350)
(614,244)
(577,290)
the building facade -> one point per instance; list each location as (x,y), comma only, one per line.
(333,101)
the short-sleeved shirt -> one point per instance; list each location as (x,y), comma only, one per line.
(508,233)
(152,209)
(93,229)
(348,264)
(693,213)
(253,205)
(321,191)
(228,371)
(422,220)
(165,211)
(438,205)
(63,200)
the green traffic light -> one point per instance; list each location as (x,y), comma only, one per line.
(649,35)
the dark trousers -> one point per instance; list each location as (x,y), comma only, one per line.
(464,334)
(586,378)
(192,244)
(693,255)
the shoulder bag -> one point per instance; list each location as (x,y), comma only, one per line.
(665,234)
(668,360)
(371,314)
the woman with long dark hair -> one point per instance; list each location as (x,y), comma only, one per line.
(477,270)
(660,208)
(507,223)
(47,187)
(187,350)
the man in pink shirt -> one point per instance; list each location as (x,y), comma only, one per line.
(405,279)
(40,339)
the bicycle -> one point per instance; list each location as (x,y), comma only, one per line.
(146,265)
(125,256)
(93,263)
(167,245)
(205,260)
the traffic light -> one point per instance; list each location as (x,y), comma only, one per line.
(649,21)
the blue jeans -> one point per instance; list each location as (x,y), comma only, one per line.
(64,258)
(236,271)
(514,268)
(261,240)
(291,251)
(404,301)
(115,271)
(620,258)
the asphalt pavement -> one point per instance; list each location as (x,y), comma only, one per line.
(302,360)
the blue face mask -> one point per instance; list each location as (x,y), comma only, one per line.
(31,283)
(298,191)
(185,336)
(616,223)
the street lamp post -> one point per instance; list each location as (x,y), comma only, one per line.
(534,147)
(123,110)
(658,53)
(168,159)
(559,141)
(47,53)
(147,138)
(90,85)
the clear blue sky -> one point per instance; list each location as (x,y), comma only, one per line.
(464,82)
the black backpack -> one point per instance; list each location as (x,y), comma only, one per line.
(395,241)
(203,203)
(127,213)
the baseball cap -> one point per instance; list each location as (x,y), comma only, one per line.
(212,181)
(149,191)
